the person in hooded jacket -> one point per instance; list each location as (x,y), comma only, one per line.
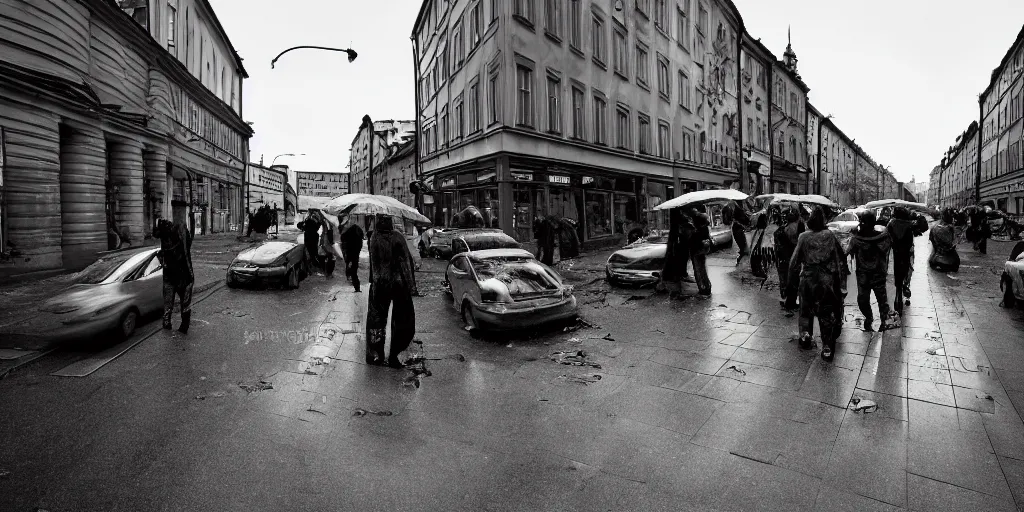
(901,231)
(175,256)
(740,221)
(700,246)
(870,250)
(544,232)
(392,286)
(785,243)
(351,246)
(817,265)
(310,228)
(568,240)
(943,237)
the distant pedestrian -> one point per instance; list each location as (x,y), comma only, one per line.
(568,240)
(785,243)
(392,286)
(544,232)
(944,257)
(351,246)
(870,250)
(700,246)
(176,258)
(274,219)
(817,265)
(979,220)
(310,228)
(328,253)
(901,232)
(740,223)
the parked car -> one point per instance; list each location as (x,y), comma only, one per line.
(111,295)
(269,262)
(437,242)
(843,225)
(507,289)
(477,240)
(640,262)
(1012,281)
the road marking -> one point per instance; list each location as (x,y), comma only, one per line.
(85,367)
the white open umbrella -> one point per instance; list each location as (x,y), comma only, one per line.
(882,203)
(702,196)
(371,204)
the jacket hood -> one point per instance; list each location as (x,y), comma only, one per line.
(872,239)
(901,227)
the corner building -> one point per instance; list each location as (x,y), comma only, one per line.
(1001,155)
(527,108)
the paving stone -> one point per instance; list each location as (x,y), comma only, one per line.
(832,500)
(869,458)
(941,394)
(964,459)
(924,494)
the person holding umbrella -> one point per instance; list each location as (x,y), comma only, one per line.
(392,286)
(351,246)
(700,246)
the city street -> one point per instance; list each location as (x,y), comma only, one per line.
(659,404)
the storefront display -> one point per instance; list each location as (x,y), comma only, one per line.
(598,214)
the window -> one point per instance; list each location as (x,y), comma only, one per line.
(643,6)
(660,13)
(664,141)
(644,131)
(575,19)
(642,66)
(172,18)
(494,10)
(444,127)
(598,40)
(793,109)
(577,113)
(793,155)
(524,10)
(664,84)
(683,24)
(702,20)
(492,99)
(458,46)
(460,119)
(689,140)
(553,17)
(524,96)
(554,106)
(684,91)
(619,65)
(750,129)
(782,147)
(622,130)
(476,23)
(474,107)
(600,120)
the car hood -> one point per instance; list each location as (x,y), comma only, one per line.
(264,254)
(649,256)
(842,226)
(83,297)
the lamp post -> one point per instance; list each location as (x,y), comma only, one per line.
(272,162)
(351,53)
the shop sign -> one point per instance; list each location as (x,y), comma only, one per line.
(484,176)
(321,184)
(522,176)
(448,183)
(764,171)
(559,180)
(587,180)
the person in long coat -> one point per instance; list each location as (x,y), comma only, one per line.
(176,258)
(351,246)
(568,240)
(740,223)
(817,264)
(392,286)
(677,252)
(901,231)
(310,228)
(700,246)
(785,243)
(944,257)
(870,250)
(544,232)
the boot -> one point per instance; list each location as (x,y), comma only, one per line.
(186,318)
(375,339)
(806,341)
(167,325)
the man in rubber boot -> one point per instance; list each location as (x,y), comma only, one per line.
(870,250)
(351,246)
(392,285)
(176,258)
(901,232)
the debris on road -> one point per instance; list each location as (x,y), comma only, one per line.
(359,413)
(737,370)
(857,404)
(577,358)
(936,351)
(582,379)
(311,409)
(580,324)
(218,394)
(255,388)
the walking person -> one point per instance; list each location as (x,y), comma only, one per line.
(740,223)
(817,265)
(944,257)
(274,219)
(176,259)
(392,286)
(870,250)
(310,228)
(568,240)
(700,246)
(328,253)
(351,246)
(544,232)
(785,243)
(677,252)
(901,232)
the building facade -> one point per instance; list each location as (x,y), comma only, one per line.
(113,118)
(756,66)
(1001,161)
(387,137)
(396,172)
(958,172)
(266,186)
(574,108)
(790,173)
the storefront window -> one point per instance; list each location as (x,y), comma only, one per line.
(626,218)
(487,203)
(527,201)
(657,193)
(447,210)
(562,204)
(598,214)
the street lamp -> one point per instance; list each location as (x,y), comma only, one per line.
(351,53)
(272,162)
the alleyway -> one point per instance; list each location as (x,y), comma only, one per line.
(693,404)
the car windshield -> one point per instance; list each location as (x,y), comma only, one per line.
(103,269)
(846,217)
(520,274)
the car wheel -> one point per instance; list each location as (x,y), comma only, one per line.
(232,283)
(447,285)
(292,279)
(467,316)
(126,326)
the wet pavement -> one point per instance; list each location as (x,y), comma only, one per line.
(650,404)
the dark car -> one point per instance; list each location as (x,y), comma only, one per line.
(640,262)
(269,262)
(437,242)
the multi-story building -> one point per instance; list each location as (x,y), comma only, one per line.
(814,126)
(790,172)
(111,118)
(1001,178)
(838,157)
(756,65)
(588,109)
(958,173)
(932,197)
(388,136)
(396,172)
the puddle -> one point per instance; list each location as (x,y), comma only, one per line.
(576,358)
(255,388)
(857,404)
(359,413)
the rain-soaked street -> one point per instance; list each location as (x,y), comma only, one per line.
(651,403)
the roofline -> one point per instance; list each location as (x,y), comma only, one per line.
(265,168)
(1002,65)
(758,45)
(814,110)
(419,18)
(793,76)
(224,34)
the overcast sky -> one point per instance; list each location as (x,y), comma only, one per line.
(901,77)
